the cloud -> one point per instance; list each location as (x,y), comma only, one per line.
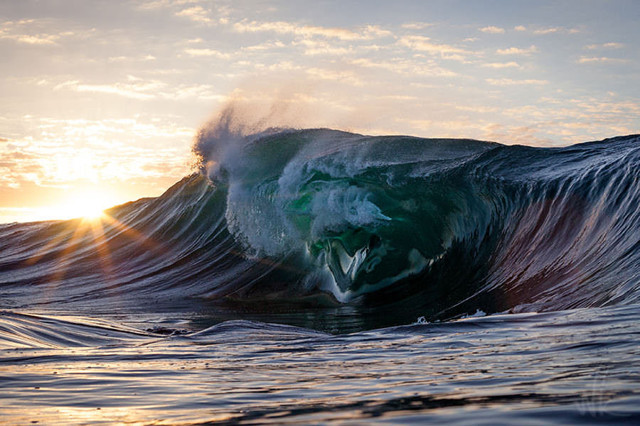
(510,82)
(424,44)
(525,135)
(376,31)
(192,91)
(207,52)
(196,14)
(443,128)
(482,109)
(547,30)
(604,46)
(601,60)
(265,46)
(30,31)
(17,165)
(517,50)
(127,90)
(554,30)
(131,58)
(339,76)
(136,88)
(368,32)
(41,39)
(321,47)
(416,25)
(492,30)
(501,65)
(579,119)
(158,4)
(406,67)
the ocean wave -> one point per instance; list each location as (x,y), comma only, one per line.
(320,218)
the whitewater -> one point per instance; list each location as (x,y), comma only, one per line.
(319,275)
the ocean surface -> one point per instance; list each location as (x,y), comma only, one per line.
(311,276)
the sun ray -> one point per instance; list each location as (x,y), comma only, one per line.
(60,272)
(57,240)
(101,246)
(135,235)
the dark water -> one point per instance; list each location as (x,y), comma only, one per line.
(579,366)
(316,275)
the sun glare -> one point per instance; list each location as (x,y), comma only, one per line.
(88,212)
(86,205)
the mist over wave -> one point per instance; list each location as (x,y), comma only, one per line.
(382,229)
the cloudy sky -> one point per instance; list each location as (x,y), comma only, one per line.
(100,100)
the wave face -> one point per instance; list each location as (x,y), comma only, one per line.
(387,228)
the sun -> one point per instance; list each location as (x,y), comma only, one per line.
(88,205)
(88,211)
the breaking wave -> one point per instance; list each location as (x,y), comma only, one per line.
(393,227)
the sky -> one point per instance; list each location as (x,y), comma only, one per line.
(100,100)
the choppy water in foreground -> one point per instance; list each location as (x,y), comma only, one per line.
(165,310)
(557,367)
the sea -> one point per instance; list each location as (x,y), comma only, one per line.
(318,276)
